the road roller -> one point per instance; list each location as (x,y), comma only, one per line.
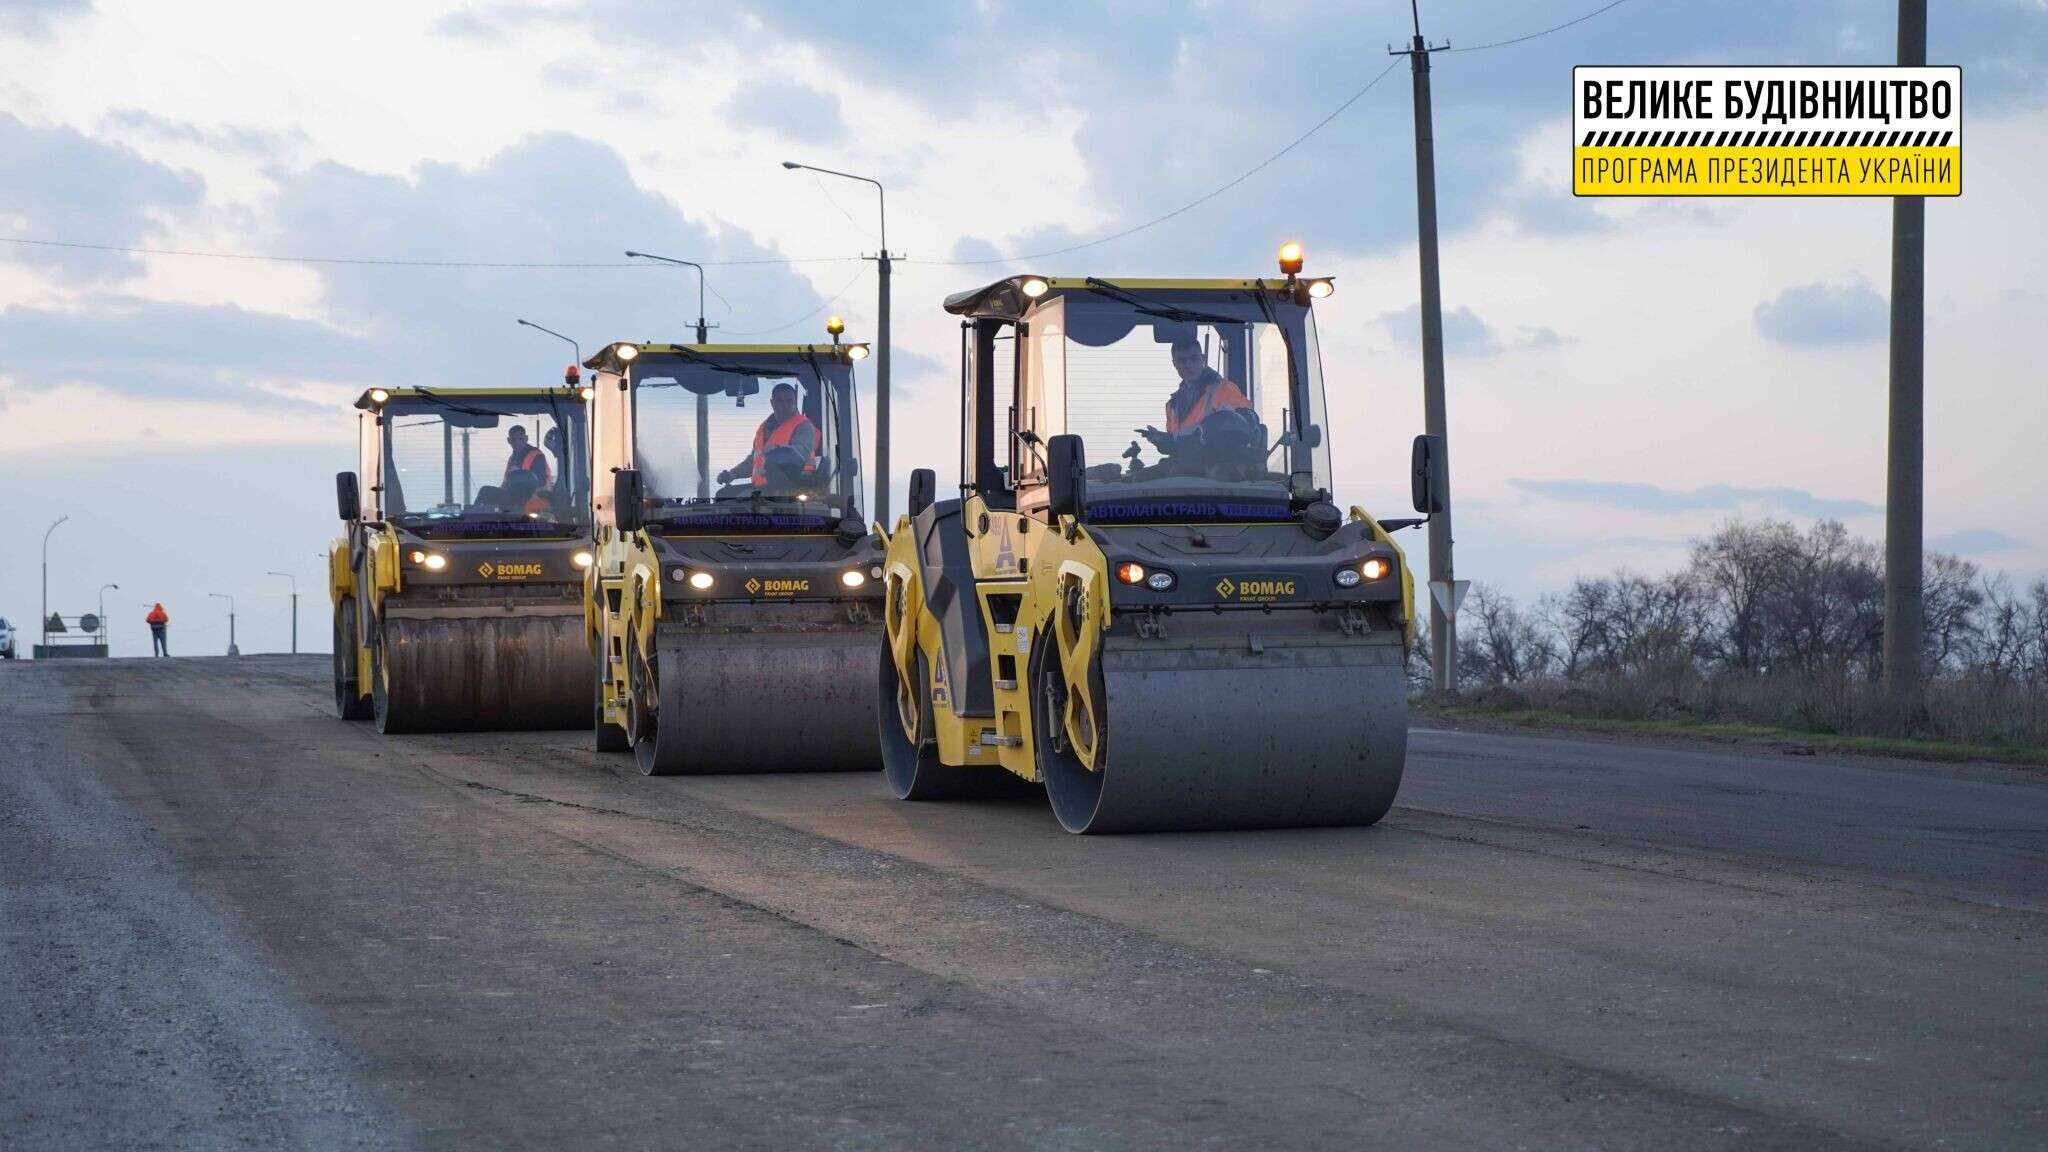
(1187,635)
(733,614)
(458,589)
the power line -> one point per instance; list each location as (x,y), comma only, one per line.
(833,299)
(1538,35)
(395,263)
(1190,205)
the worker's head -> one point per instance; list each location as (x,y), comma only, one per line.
(1187,358)
(783,400)
(516,436)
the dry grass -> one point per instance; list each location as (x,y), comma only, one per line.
(1987,718)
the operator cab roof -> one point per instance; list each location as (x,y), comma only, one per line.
(370,399)
(1010,298)
(607,358)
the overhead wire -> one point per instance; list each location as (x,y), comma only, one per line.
(392,262)
(1120,234)
(831,300)
(1538,35)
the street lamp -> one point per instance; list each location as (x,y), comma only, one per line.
(881,339)
(556,335)
(103,615)
(295,607)
(46,584)
(703,329)
(232,650)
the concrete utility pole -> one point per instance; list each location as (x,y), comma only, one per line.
(232,649)
(1443,625)
(1905,481)
(703,401)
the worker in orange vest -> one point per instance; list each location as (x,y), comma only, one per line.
(527,458)
(785,428)
(1203,392)
(159,620)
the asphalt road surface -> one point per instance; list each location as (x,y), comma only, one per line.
(229,920)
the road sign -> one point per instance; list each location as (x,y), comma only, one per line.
(88,623)
(1449,594)
(55,624)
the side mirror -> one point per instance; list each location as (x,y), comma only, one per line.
(1066,476)
(1312,436)
(1429,476)
(924,488)
(348,498)
(626,499)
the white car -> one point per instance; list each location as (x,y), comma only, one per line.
(6,639)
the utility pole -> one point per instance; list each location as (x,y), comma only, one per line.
(1443,625)
(1905,481)
(232,649)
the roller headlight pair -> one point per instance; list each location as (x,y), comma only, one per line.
(1132,572)
(1372,569)
(431,561)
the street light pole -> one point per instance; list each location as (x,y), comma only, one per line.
(295,607)
(558,336)
(103,616)
(46,583)
(703,329)
(1443,620)
(703,401)
(232,650)
(882,260)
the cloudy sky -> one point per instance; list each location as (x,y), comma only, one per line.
(1623,375)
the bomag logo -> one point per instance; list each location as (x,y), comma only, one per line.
(758,587)
(490,571)
(1254,589)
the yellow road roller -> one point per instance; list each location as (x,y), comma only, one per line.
(734,608)
(458,587)
(1188,635)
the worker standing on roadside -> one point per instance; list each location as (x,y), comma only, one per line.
(159,620)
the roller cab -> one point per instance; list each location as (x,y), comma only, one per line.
(734,611)
(458,586)
(1145,598)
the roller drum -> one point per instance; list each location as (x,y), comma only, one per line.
(478,673)
(1237,737)
(740,701)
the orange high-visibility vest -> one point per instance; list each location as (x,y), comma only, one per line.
(780,437)
(1215,396)
(534,461)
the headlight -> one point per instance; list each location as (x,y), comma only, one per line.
(584,559)
(1130,572)
(856,352)
(1347,577)
(853,578)
(1160,581)
(875,572)
(417,556)
(1034,288)
(435,562)
(589,393)
(379,395)
(626,353)
(1375,568)
(700,580)
(1321,289)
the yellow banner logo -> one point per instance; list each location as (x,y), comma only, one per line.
(1775,131)
(489,571)
(759,587)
